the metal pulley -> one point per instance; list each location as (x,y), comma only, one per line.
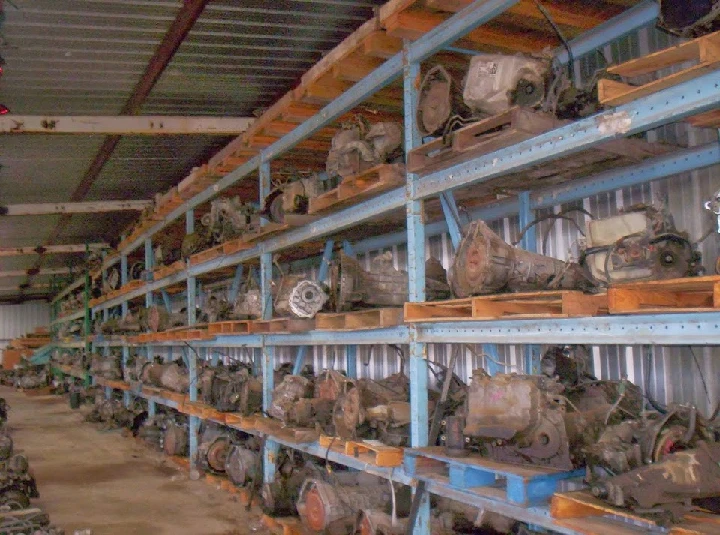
(485,264)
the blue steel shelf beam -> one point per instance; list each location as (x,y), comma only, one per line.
(651,329)
(674,103)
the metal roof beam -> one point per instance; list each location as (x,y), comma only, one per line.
(89,207)
(143,125)
(38,272)
(52,249)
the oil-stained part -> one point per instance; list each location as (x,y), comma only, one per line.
(243,466)
(332,507)
(296,295)
(532,419)
(231,389)
(691,18)
(642,243)
(667,486)
(169,375)
(27,521)
(214,447)
(107,367)
(358,147)
(383,285)
(159,319)
(440,103)
(175,439)
(485,264)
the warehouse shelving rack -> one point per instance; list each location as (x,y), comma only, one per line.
(660,108)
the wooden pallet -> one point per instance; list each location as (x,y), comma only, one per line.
(165,271)
(582,511)
(207,254)
(240,421)
(520,485)
(549,304)
(265,232)
(705,51)
(354,189)
(692,294)
(234,246)
(285,525)
(281,325)
(297,435)
(201,410)
(229,327)
(374,452)
(482,137)
(362,319)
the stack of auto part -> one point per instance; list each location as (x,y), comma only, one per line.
(171,375)
(657,463)
(359,146)
(641,243)
(28,376)
(544,420)
(484,264)
(382,285)
(227,219)
(215,445)
(106,366)
(111,412)
(231,389)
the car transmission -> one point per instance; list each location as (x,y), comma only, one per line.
(358,147)
(691,18)
(485,264)
(642,243)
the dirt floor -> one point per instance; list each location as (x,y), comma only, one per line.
(107,483)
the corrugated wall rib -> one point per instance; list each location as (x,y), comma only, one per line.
(16,320)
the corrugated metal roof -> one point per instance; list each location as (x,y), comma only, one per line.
(84,57)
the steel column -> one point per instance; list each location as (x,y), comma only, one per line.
(531,352)
(235,286)
(265,186)
(268,363)
(452,217)
(193,420)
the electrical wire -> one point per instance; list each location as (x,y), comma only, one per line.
(702,375)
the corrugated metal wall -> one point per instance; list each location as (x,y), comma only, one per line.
(16,320)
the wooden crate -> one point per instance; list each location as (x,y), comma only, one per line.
(520,485)
(704,50)
(297,435)
(357,188)
(362,319)
(281,325)
(581,510)
(548,304)
(692,294)
(482,137)
(229,327)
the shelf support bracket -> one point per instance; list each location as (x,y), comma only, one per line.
(452,217)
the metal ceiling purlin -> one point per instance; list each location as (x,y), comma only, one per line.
(180,27)
(461,23)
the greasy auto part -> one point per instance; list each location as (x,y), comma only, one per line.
(296,295)
(383,285)
(248,304)
(332,507)
(175,439)
(307,298)
(374,410)
(169,375)
(287,394)
(107,367)
(214,447)
(228,218)
(17,484)
(495,82)
(111,412)
(485,264)
(159,319)
(691,18)
(537,420)
(440,103)
(293,197)
(642,243)
(231,390)
(357,147)
(668,485)
(243,466)
(26,521)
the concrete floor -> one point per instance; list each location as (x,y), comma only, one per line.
(106,482)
